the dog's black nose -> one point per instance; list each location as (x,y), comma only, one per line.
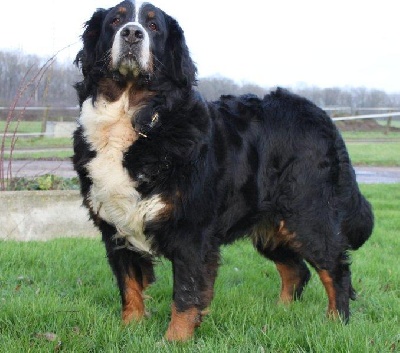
(132,34)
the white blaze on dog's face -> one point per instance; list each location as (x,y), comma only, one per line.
(133,24)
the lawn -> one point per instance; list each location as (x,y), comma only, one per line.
(378,135)
(61,296)
(48,155)
(394,122)
(22,126)
(375,154)
(27,147)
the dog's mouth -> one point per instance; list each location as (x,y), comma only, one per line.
(129,65)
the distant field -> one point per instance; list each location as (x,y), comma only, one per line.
(375,154)
(35,126)
(48,155)
(394,123)
(23,126)
(368,152)
(360,135)
(30,145)
(40,142)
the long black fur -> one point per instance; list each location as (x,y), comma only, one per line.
(237,167)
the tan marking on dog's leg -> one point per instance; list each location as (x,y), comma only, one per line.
(327,281)
(289,282)
(133,307)
(182,324)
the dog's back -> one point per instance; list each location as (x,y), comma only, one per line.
(285,155)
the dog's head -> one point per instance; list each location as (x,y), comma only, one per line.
(135,44)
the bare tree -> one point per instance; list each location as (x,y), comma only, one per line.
(24,94)
(56,88)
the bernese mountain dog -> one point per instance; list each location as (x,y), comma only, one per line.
(165,173)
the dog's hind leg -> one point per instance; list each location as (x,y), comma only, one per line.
(325,248)
(337,283)
(292,269)
(294,277)
(280,246)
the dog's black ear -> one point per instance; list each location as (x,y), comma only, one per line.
(180,64)
(86,58)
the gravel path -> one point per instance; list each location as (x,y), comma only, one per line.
(31,168)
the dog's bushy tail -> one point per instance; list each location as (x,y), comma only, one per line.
(358,226)
(358,220)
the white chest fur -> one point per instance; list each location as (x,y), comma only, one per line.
(113,196)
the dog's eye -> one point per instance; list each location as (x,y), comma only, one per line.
(153,26)
(116,21)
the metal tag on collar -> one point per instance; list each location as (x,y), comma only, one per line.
(154,119)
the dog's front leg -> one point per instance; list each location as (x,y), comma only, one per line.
(134,273)
(191,294)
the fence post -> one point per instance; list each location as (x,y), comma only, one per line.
(388,123)
(44,121)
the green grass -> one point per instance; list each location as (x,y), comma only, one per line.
(23,126)
(35,143)
(355,135)
(394,122)
(375,154)
(26,148)
(51,154)
(61,296)
(39,142)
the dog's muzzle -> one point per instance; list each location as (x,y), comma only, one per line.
(130,52)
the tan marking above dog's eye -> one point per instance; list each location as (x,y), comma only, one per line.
(151,14)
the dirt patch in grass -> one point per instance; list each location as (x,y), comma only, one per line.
(363,125)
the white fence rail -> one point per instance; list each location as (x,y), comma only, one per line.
(368,116)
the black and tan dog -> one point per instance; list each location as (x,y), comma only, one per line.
(165,173)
